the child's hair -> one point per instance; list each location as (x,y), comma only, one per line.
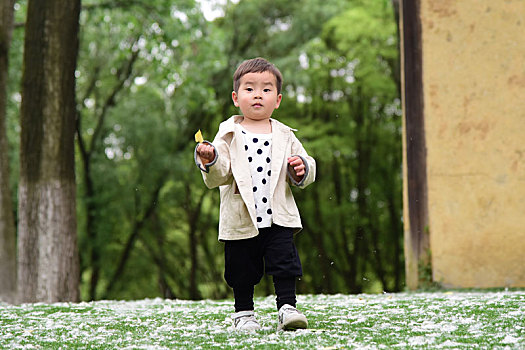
(256,65)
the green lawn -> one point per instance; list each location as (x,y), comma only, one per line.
(448,320)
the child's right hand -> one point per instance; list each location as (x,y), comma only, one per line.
(206,152)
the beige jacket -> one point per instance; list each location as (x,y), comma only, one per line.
(230,171)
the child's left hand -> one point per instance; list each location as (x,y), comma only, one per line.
(298,165)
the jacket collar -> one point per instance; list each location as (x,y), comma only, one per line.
(229,124)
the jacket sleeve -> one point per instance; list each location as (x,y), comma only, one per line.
(309,162)
(218,172)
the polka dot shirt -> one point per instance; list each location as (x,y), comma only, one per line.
(258,149)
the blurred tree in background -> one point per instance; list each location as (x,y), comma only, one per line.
(150,73)
(7,222)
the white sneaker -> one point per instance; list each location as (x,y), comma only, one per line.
(245,321)
(291,319)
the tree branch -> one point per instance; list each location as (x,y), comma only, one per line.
(81,143)
(139,223)
(127,69)
(117,4)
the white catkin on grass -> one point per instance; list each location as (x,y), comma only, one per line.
(403,320)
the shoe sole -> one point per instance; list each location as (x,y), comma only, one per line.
(295,323)
(251,328)
(247,329)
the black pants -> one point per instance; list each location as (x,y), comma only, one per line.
(272,251)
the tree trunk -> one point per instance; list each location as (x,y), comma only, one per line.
(87,150)
(396,230)
(193,213)
(363,155)
(7,224)
(416,235)
(48,269)
(322,283)
(140,220)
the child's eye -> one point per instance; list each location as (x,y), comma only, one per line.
(249,89)
(267,90)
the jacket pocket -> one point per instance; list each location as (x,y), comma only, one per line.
(242,211)
(234,213)
(290,206)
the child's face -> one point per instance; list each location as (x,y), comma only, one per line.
(257,96)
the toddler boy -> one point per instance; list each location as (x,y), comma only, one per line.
(252,160)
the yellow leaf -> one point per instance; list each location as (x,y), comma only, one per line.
(198,136)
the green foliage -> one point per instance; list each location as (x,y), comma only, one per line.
(150,73)
(369,44)
(347,99)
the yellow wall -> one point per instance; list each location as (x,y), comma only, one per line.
(474,96)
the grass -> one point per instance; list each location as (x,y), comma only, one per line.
(450,320)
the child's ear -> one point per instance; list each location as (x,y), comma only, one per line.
(279,99)
(235,99)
